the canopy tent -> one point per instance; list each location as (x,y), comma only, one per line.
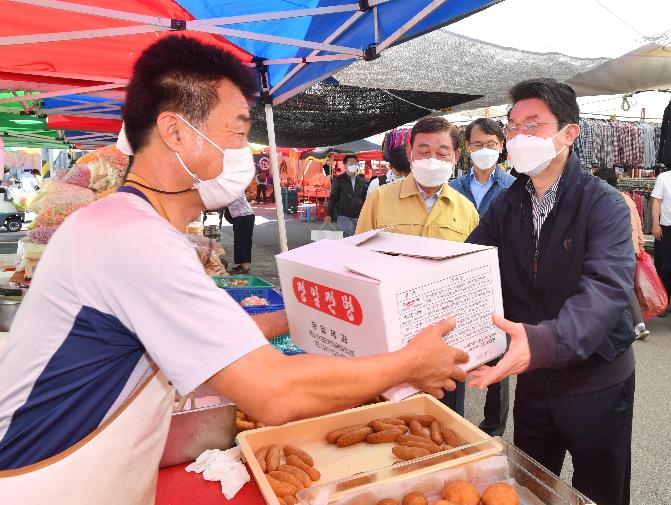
(442,61)
(359,146)
(645,68)
(292,48)
(329,114)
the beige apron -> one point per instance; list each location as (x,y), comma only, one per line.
(116,464)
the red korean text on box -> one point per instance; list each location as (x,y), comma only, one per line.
(330,301)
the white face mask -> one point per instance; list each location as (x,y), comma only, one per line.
(431,173)
(237,173)
(352,168)
(531,155)
(485,158)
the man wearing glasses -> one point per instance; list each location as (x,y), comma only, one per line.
(567,267)
(482,185)
(485,181)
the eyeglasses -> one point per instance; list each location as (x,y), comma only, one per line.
(492,144)
(530,127)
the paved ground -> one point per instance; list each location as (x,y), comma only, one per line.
(652,422)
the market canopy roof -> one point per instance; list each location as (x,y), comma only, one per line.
(330,114)
(293,47)
(358,146)
(442,61)
(645,68)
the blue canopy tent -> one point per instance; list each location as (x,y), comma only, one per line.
(293,44)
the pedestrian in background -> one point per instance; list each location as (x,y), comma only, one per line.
(242,217)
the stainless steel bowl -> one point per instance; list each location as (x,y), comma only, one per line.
(8,310)
(193,431)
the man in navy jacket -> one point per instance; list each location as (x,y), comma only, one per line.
(567,265)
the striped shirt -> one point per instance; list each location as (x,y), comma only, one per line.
(541,209)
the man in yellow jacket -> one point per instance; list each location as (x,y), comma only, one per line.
(423,203)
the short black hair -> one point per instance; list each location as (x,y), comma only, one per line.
(179,74)
(558,96)
(488,126)
(398,159)
(608,175)
(432,124)
(349,156)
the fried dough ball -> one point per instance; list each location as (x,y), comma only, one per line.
(501,493)
(461,492)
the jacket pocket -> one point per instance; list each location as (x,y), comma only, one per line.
(449,227)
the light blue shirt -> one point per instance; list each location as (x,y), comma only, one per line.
(429,200)
(480,190)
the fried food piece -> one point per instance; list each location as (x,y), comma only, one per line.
(435,433)
(455,454)
(407,419)
(260,456)
(281,501)
(243,425)
(414,438)
(450,437)
(260,425)
(432,448)
(292,449)
(387,501)
(406,453)
(239,414)
(296,472)
(415,498)
(281,488)
(333,436)
(288,478)
(298,463)
(425,420)
(443,502)
(500,493)
(273,460)
(354,437)
(417,430)
(380,425)
(461,492)
(290,500)
(382,437)
(391,420)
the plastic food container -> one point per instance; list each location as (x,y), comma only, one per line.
(335,463)
(252,282)
(275,301)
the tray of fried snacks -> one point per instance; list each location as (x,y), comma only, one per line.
(360,440)
(508,477)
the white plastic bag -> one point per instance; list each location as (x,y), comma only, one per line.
(322,234)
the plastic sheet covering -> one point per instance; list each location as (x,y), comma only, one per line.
(446,62)
(329,114)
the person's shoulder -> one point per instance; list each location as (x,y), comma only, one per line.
(458,199)
(458,183)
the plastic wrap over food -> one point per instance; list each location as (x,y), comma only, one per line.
(210,252)
(108,167)
(79,175)
(27,250)
(42,235)
(61,194)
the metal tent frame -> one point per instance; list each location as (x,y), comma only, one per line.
(223,26)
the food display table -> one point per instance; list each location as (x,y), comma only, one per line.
(177,487)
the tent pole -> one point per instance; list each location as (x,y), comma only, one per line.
(277,189)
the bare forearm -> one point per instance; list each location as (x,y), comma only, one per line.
(656,211)
(272,324)
(277,389)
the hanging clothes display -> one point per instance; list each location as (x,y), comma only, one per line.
(664,149)
(608,143)
(394,138)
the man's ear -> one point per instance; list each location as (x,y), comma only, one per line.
(172,131)
(408,150)
(571,133)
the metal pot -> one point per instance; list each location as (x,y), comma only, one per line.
(8,308)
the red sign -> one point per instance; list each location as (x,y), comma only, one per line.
(328,300)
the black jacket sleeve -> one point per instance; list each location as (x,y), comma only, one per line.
(587,318)
(334,196)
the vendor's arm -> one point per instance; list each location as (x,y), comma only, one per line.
(587,318)
(368,216)
(276,389)
(272,324)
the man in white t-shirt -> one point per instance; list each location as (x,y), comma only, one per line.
(120,292)
(661,226)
